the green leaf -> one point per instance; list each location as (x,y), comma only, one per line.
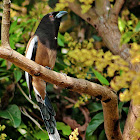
(122,124)
(12,27)
(126,109)
(13,114)
(94,107)
(22,129)
(126,37)
(97,120)
(94,137)
(4,73)
(121,24)
(60,40)
(102,135)
(137,28)
(41,135)
(4,77)
(120,106)
(17,75)
(12,42)
(121,71)
(97,38)
(101,78)
(65,128)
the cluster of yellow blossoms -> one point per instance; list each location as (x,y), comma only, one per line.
(62,4)
(85,5)
(74,134)
(82,56)
(2,135)
(82,100)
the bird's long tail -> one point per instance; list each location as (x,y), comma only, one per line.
(48,116)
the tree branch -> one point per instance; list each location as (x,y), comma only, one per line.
(117,7)
(102,8)
(89,17)
(133,115)
(5,24)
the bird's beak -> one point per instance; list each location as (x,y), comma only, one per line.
(60,14)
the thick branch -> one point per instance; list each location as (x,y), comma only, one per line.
(102,8)
(90,16)
(78,85)
(133,115)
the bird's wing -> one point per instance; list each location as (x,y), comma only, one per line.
(30,54)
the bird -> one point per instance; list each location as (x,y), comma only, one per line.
(42,48)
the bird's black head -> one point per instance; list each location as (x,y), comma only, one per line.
(55,16)
(49,26)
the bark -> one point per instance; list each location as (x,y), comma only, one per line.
(5,23)
(134,113)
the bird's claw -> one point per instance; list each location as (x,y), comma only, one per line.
(63,73)
(48,67)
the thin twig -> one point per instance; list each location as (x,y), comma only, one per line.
(34,115)
(23,110)
(24,94)
(83,110)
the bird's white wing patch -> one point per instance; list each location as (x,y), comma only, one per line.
(29,55)
(31,46)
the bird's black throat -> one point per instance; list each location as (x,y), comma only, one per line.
(47,32)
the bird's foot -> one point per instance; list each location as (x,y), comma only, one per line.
(63,74)
(48,67)
(30,97)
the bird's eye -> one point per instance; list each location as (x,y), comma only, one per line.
(50,16)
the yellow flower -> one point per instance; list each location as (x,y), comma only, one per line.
(125,96)
(3,136)
(74,134)
(85,8)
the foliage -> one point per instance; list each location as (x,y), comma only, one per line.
(65,128)
(2,135)
(129,29)
(81,54)
(13,113)
(94,123)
